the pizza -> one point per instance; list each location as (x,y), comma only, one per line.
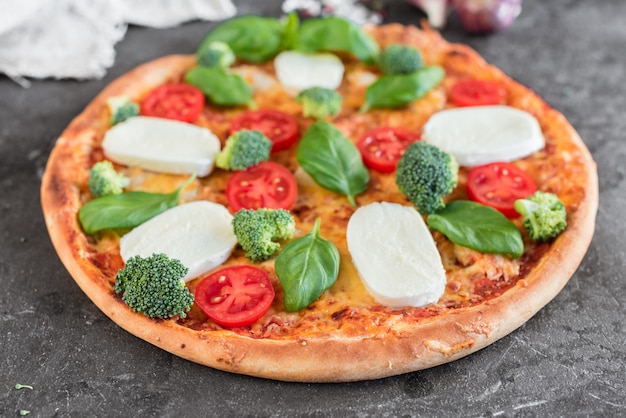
(373,242)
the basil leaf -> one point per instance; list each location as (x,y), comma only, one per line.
(332,160)
(478,227)
(220,86)
(306,267)
(126,210)
(336,34)
(292,23)
(252,38)
(398,90)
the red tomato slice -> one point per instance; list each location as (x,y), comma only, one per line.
(174,101)
(382,148)
(265,185)
(280,127)
(499,185)
(235,296)
(473,92)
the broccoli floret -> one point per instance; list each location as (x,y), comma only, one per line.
(400,59)
(121,108)
(244,149)
(104,180)
(153,286)
(319,102)
(217,54)
(543,215)
(426,174)
(257,230)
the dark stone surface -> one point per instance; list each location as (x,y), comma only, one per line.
(567,360)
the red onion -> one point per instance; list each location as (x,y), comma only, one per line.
(486,16)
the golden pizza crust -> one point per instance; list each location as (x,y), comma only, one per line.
(403,346)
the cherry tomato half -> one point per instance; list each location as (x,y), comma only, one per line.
(499,185)
(280,127)
(472,92)
(235,296)
(174,101)
(382,148)
(265,185)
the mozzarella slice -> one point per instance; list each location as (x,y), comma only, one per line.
(484,134)
(162,145)
(395,255)
(301,71)
(199,234)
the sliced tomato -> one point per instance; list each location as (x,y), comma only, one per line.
(174,101)
(265,185)
(472,92)
(235,296)
(382,148)
(499,185)
(280,127)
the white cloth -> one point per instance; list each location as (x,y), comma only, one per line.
(76,38)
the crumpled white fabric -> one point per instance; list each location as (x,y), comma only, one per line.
(76,38)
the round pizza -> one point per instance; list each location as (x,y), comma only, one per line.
(318,201)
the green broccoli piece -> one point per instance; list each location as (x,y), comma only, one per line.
(154,286)
(426,174)
(319,102)
(256,231)
(400,59)
(244,149)
(121,108)
(215,55)
(104,180)
(543,215)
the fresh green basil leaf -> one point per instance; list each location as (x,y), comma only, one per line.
(306,267)
(252,38)
(292,23)
(391,91)
(336,34)
(126,210)
(332,160)
(220,86)
(478,227)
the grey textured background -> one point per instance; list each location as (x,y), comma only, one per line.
(568,360)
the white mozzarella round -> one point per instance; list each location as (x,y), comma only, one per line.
(301,71)
(395,255)
(484,134)
(162,145)
(198,234)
